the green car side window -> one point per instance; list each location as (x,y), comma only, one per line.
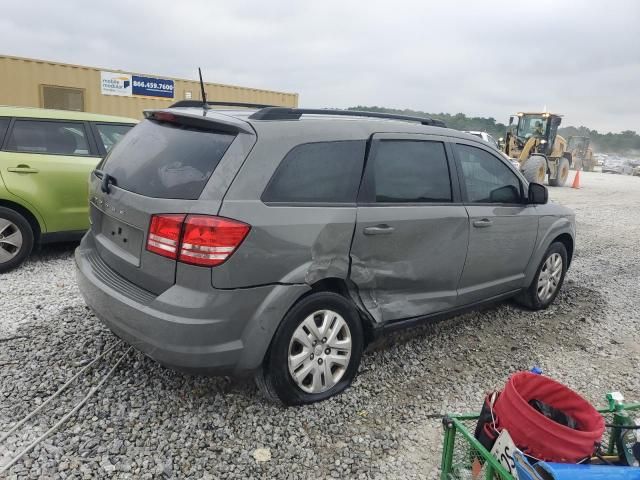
(58,138)
(110,134)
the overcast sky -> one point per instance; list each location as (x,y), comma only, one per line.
(482,58)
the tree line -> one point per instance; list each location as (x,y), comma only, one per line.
(624,143)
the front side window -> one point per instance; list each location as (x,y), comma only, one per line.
(486,178)
(58,138)
(323,172)
(111,133)
(408,171)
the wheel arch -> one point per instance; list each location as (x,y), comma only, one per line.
(567,241)
(266,321)
(27,214)
(342,288)
(551,229)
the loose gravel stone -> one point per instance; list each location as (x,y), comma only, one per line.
(150,422)
(262,454)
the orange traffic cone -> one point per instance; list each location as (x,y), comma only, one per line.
(576,180)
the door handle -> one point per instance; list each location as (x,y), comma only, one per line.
(378,230)
(22,169)
(485,222)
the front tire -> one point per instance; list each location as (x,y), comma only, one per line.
(16,239)
(548,279)
(562,174)
(315,352)
(535,169)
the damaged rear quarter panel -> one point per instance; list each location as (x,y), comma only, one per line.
(288,243)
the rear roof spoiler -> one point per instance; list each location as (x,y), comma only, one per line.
(210,120)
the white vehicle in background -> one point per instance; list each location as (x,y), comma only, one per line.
(617,165)
(601,158)
(484,136)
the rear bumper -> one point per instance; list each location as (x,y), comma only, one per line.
(204,330)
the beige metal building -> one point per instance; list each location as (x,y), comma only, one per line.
(40,83)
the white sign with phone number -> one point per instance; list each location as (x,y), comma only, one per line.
(503,451)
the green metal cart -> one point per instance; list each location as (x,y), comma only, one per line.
(463,457)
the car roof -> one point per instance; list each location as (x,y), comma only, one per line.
(32,112)
(354,125)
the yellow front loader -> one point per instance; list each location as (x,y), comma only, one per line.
(581,153)
(534,142)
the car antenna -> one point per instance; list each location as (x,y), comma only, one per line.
(205,106)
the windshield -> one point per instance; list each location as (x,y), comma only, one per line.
(532,125)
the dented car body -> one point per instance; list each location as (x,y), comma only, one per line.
(308,202)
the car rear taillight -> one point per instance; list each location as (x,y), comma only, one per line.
(196,239)
(164,235)
(210,240)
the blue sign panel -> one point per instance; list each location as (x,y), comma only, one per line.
(152,87)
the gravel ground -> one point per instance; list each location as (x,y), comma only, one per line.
(149,422)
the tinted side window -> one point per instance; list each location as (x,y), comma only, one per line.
(323,172)
(111,133)
(4,124)
(60,138)
(486,178)
(407,171)
(166,160)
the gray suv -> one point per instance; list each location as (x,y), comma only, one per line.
(281,241)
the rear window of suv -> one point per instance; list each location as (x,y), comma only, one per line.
(322,172)
(166,160)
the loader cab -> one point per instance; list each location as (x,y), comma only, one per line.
(542,126)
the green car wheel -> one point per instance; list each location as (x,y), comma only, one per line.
(16,239)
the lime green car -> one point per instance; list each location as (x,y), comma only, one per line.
(45,160)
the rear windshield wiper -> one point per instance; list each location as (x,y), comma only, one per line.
(106,180)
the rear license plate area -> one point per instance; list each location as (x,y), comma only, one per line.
(123,237)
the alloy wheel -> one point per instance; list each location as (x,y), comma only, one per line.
(10,240)
(319,351)
(549,278)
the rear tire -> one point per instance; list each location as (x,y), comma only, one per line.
(324,358)
(16,239)
(535,169)
(538,295)
(563,173)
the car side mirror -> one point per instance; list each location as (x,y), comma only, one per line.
(538,194)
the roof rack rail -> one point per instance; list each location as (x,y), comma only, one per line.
(200,103)
(284,113)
